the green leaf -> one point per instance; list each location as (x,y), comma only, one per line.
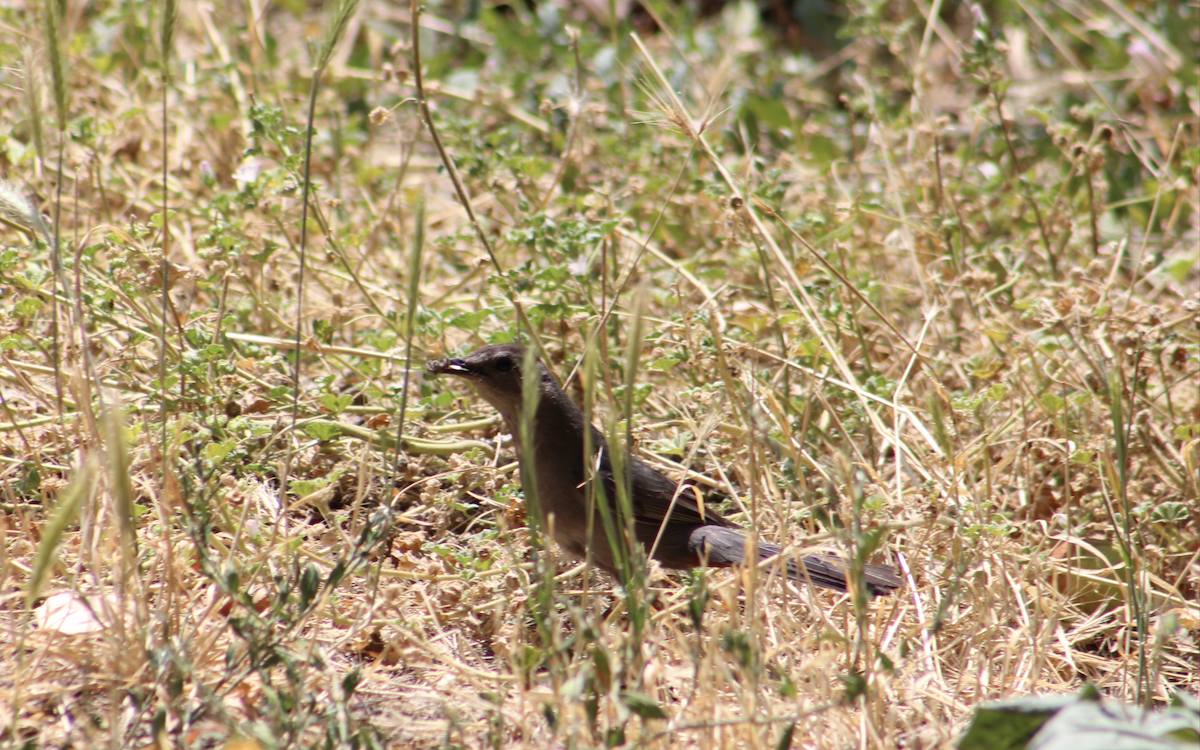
(664,364)
(323,431)
(785,739)
(8,260)
(1107,724)
(1081,722)
(1083,458)
(1052,403)
(642,705)
(305,487)
(156,218)
(27,307)
(65,511)
(216,452)
(1011,724)
(1187,431)
(310,584)
(810,348)
(1170,513)
(1181,268)
(323,330)
(158,385)
(336,404)
(469,321)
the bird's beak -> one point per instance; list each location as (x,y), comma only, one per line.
(448,367)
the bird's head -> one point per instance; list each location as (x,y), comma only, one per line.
(494,371)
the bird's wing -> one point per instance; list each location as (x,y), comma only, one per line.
(653,493)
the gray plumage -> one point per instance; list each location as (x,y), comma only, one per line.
(687,539)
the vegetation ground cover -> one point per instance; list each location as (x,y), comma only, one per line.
(919,285)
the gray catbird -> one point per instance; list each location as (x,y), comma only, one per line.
(688,538)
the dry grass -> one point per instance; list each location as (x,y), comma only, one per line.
(941,309)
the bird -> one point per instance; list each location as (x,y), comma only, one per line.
(672,525)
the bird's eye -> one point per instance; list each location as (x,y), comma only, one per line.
(504,364)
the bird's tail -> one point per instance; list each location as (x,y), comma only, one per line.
(721,546)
